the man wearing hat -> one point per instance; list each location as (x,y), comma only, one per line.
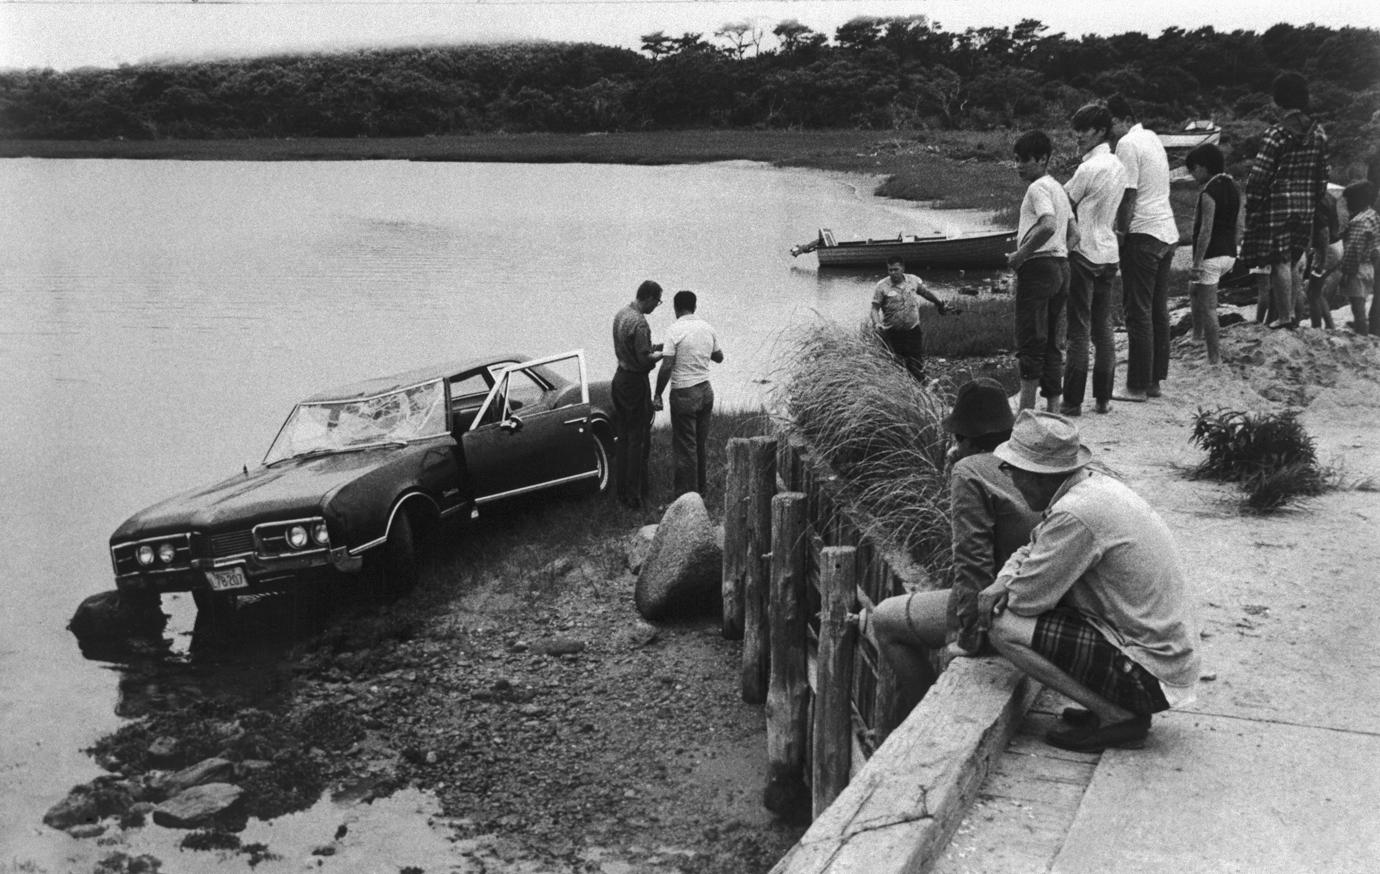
(990,522)
(1096,605)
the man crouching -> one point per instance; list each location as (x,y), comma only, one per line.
(1095,606)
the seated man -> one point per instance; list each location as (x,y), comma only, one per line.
(990,522)
(1095,606)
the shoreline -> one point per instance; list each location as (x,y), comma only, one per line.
(944,169)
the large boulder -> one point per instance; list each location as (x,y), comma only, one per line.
(213,770)
(639,545)
(197,805)
(682,572)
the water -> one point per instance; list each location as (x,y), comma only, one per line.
(159,319)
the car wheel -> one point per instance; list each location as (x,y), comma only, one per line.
(399,567)
(603,454)
(215,611)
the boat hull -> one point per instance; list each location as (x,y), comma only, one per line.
(974,251)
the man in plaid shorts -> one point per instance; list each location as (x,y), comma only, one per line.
(1096,605)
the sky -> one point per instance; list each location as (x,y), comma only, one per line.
(66,34)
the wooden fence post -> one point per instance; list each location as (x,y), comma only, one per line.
(788,703)
(832,746)
(761,488)
(735,536)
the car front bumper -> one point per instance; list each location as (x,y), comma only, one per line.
(244,575)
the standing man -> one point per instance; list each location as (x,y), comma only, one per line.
(1096,605)
(1147,231)
(632,395)
(896,315)
(1041,261)
(1095,192)
(690,344)
(1284,192)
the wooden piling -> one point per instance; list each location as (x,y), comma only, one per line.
(761,489)
(832,743)
(735,535)
(788,703)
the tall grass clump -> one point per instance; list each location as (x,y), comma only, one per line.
(1271,455)
(879,430)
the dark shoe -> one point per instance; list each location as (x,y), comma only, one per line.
(1128,734)
(1277,324)
(1153,391)
(1079,717)
(1134,395)
(1104,406)
(1071,411)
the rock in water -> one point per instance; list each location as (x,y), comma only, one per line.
(682,572)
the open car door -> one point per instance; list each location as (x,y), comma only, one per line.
(533,431)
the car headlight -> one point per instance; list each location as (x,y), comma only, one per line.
(297,536)
(320,534)
(144,555)
(166,552)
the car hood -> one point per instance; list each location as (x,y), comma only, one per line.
(292,486)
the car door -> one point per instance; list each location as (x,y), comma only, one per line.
(533,431)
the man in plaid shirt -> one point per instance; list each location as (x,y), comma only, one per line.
(1283,192)
(1357,267)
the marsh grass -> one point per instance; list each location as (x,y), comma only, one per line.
(1271,455)
(880,432)
(980,326)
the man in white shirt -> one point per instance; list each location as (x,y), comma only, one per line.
(1095,192)
(1145,224)
(1096,604)
(896,315)
(688,347)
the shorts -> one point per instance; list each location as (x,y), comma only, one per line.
(1211,271)
(1360,286)
(1066,638)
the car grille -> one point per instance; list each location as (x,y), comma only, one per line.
(231,543)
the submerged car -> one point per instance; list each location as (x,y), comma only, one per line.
(357,472)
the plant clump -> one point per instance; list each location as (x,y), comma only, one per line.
(1271,455)
(879,430)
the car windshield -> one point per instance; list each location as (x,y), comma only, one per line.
(338,426)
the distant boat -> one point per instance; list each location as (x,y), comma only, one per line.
(987,249)
(1194,134)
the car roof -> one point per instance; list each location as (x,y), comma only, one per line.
(379,385)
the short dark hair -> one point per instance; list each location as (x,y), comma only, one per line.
(648,290)
(1093,116)
(1120,107)
(896,259)
(1290,91)
(684,301)
(1207,156)
(1033,145)
(1359,195)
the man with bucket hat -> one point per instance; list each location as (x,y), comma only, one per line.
(990,522)
(1096,605)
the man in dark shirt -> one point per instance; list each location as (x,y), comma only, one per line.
(632,394)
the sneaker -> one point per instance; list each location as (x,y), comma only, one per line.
(1278,323)
(1134,395)
(1128,734)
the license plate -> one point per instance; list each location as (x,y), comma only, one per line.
(227,578)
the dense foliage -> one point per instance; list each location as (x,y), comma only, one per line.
(877,73)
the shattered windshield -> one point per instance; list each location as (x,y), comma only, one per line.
(336,426)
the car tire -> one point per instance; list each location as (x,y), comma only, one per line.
(215,611)
(399,567)
(603,462)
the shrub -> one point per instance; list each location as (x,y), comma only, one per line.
(879,430)
(1271,455)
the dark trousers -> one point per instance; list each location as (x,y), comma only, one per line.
(1090,318)
(907,344)
(1042,293)
(1145,298)
(691,409)
(632,427)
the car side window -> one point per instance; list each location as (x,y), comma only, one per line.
(467,393)
(524,391)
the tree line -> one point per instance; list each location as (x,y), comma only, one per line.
(894,72)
